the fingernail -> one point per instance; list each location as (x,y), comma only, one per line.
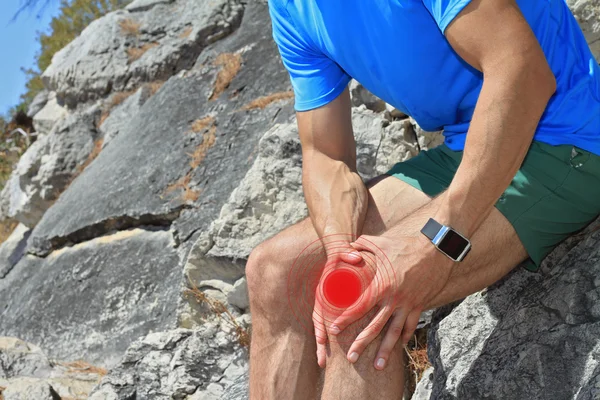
(353,357)
(380,363)
(335,329)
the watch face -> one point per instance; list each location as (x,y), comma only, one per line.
(453,244)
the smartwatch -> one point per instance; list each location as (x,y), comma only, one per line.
(454,245)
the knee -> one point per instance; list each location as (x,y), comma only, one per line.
(266,285)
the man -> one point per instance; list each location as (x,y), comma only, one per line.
(516,90)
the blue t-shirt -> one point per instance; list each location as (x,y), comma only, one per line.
(397,50)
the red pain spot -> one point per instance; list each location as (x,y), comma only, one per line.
(342,288)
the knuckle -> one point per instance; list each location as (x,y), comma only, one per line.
(396,331)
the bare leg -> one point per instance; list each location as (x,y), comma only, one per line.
(283,363)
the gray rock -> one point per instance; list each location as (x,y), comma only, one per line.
(528,336)
(139,178)
(238,390)
(587,13)
(424,387)
(121,50)
(27,373)
(13,249)
(238,296)
(48,166)
(90,301)
(19,358)
(361,96)
(38,102)
(50,113)
(121,115)
(175,365)
(29,389)
(144,5)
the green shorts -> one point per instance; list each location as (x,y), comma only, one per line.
(555,193)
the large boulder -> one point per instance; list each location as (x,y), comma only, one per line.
(149,40)
(104,264)
(48,166)
(90,301)
(529,336)
(587,13)
(178,364)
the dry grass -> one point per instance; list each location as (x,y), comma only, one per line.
(416,351)
(264,101)
(129,27)
(200,124)
(134,53)
(81,366)
(230,64)
(186,33)
(2,389)
(200,152)
(184,184)
(220,310)
(119,98)
(6,229)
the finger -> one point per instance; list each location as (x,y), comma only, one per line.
(411,325)
(320,333)
(369,334)
(393,333)
(351,256)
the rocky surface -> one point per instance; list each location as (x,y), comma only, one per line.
(26,373)
(120,116)
(180,364)
(531,335)
(167,151)
(51,110)
(588,16)
(149,40)
(48,166)
(13,249)
(105,292)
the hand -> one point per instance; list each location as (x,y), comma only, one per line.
(410,272)
(339,252)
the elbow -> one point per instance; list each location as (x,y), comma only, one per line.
(540,76)
(547,81)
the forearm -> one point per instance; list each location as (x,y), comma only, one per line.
(510,105)
(335,194)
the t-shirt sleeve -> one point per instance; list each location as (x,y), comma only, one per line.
(444,11)
(316,79)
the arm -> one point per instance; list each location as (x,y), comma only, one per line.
(494,37)
(335,194)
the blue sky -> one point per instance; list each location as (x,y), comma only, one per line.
(18,45)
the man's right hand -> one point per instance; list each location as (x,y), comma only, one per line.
(336,196)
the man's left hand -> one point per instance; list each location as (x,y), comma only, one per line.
(410,272)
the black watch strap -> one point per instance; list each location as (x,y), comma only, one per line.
(431,228)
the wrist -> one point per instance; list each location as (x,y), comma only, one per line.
(454,212)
